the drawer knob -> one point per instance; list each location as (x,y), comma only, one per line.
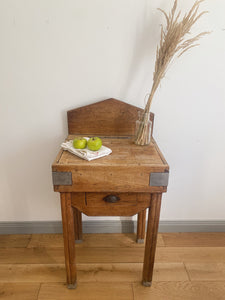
(111,198)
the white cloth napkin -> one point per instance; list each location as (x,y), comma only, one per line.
(86,153)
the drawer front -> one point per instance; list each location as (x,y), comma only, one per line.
(110,199)
(115,204)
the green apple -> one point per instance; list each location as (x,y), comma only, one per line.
(80,143)
(94,143)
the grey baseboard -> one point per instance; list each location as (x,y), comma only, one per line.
(105,226)
(192,226)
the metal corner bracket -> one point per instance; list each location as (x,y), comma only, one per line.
(159,179)
(62,178)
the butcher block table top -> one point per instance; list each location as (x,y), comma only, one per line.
(128,168)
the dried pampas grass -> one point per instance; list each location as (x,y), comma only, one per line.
(174,42)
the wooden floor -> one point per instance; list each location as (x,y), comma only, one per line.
(188,266)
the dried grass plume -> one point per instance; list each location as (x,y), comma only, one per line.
(175,40)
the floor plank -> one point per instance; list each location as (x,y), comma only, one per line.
(83,255)
(86,291)
(194,239)
(125,272)
(180,290)
(32,256)
(111,255)
(54,240)
(170,272)
(32,273)
(122,272)
(160,241)
(14,240)
(206,271)
(190,254)
(91,240)
(19,291)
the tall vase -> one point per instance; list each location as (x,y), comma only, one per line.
(143,129)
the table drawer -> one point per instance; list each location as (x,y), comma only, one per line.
(115,204)
(110,199)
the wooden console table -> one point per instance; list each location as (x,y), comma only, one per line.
(127,182)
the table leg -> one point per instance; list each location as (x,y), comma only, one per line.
(141,226)
(77,225)
(151,238)
(69,237)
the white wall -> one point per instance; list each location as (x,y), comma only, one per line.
(57,55)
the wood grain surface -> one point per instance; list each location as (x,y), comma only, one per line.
(69,238)
(89,240)
(19,291)
(124,153)
(126,169)
(109,117)
(77,224)
(151,238)
(109,266)
(14,240)
(178,290)
(101,272)
(141,225)
(110,255)
(193,239)
(90,290)
(93,204)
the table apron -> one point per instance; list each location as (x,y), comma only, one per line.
(95,204)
